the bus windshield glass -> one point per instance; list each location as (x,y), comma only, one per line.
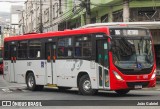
(132,52)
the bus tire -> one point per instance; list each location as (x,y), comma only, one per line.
(85,87)
(31,83)
(122,92)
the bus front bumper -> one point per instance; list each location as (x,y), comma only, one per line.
(118,85)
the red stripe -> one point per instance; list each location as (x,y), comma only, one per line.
(58,33)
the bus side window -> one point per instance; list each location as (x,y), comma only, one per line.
(65,47)
(83,46)
(35,49)
(22,49)
(6,51)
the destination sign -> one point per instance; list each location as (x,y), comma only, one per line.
(129,32)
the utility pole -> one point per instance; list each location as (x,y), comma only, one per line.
(126,11)
(41,21)
(22,22)
(88,12)
(51,17)
(110,14)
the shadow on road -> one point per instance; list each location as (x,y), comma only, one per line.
(100,93)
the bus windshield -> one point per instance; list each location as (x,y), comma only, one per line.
(135,53)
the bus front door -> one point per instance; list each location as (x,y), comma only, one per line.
(50,66)
(102,60)
(13,62)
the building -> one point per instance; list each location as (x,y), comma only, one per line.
(48,15)
(53,15)
(4,20)
(14,19)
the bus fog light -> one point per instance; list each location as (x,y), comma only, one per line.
(154,74)
(117,75)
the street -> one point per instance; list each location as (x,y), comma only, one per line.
(13,91)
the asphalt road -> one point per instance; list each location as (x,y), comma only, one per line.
(13,91)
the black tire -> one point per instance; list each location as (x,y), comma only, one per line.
(62,89)
(31,83)
(122,92)
(85,87)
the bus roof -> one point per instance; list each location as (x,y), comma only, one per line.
(57,33)
(149,25)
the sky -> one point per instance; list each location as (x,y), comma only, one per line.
(6,5)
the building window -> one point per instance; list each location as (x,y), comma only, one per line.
(35,49)
(46,15)
(65,48)
(83,46)
(93,20)
(144,14)
(22,49)
(66,2)
(118,16)
(104,18)
(54,12)
(56,9)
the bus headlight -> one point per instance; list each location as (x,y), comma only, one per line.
(117,76)
(154,74)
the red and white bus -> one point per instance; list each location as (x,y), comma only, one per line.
(117,58)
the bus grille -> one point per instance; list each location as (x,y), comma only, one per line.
(135,72)
(132,84)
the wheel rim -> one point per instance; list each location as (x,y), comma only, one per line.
(87,85)
(30,81)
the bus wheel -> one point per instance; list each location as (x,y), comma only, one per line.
(85,87)
(63,88)
(122,92)
(31,83)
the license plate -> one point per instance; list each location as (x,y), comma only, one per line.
(138,86)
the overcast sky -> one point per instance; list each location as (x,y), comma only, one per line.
(5,6)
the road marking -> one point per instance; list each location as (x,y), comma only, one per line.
(14,89)
(158,89)
(25,90)
(6,90)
